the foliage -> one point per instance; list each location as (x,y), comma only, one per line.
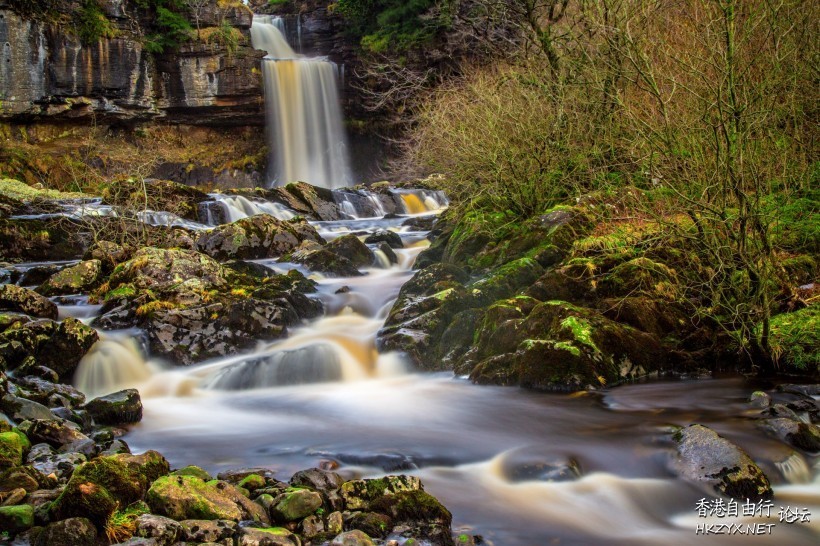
(225,35)
(169,26)
(707,106)
(795,339)
(92,24)
(390,24)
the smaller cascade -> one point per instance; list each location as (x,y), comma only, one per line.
(421,201)
(236,207)
(111,364)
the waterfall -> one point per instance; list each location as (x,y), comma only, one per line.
(304,121)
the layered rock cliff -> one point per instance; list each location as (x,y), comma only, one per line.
(48,74)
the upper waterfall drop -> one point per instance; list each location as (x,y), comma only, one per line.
(304,120)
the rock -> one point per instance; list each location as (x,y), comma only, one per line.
(23,300)
(22,409)
(68,532)
(22,477)
(164,530)
(187,497)
(260,236)
(295,504)
(69,343)
(200,530)
(194,471)
(43,459)
(708,459)
(13,447)
(236,475)
(318,479)
(13,497)
(320,259)
(507,280)
(350,247)
(159,195)
(250,511)
(561,347)
(352,538)
(386,236)
(358,494)
(163,270)
(16,518)
(56,433)
(425,516)
(119,408)
(50,393)
(313,201)
(38,241)
(271,536)
(252,483)
(375,525)
(796,433)
(385,249)
(96,489)
(83,277)
(108,254)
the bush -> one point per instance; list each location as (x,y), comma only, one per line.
(92,24)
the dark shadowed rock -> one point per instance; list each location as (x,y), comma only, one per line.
(350,247)
(68,532)
(122,407)
(383,235)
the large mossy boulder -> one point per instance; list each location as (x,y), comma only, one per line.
(153,194)
(77,531)
(295,504)
(23,300)
(350,247)
(560,347)
(256,237)
(186,497)
(80,278)
(99,487)
(15,519)
(13,447)
(321,259)
(704,457)
(39,241)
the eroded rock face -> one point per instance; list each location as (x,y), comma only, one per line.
(260,236)
(15,298)
(48,73)
(706,458)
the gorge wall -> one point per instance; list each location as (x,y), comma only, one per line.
(48,74)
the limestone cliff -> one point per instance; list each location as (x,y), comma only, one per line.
(47,73)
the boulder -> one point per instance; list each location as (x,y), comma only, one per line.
(38,241)
(260,236)
(153,194)
(269,536)
(164,530)
(55,432)
(350,247)
(68,532)
(704,457)
(385,236)
(80,278)
(358,494)
(23,300)
(201,530)
(109,254)
(318,479)
(352,538)
(119,408)
(805,436)
(16,519)
(295,504)
(322,260)
(187,497)
(13,447)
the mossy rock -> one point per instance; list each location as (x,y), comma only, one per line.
(159,270)
(68,532)
(80,278)
(640,275)
(256,237)
(374,524)
(267,536)
(13,447)
(358,494)
(321,259)
(194,471)
(187,497)
(16,518)
(507,280)
(100,486)
(355,537)
(119,408)
(38,241)
(23,300)
(805,436)
(413,507)
(109,254)
(63,351)
(154,194)
(295,504)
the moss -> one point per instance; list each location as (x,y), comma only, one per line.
(13,446)
(581,330)
(150,308)
(23,192)
(16,518)
(194,471)
(252,482)
(125,291)
(795,339)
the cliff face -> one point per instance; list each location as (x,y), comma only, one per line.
(47,73)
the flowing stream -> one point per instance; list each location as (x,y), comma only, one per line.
(517,467)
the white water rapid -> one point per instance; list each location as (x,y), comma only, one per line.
(303,114)
(519,468)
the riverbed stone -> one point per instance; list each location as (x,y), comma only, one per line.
(77,531)
(392,238)
(200,530)
(23,300)
(192,470)
(80,278)
(352,538)
(358,494)
(295,504)
(164,530)
(374,524)
(119,408)
(108,253)
(187,497)
(255,237)
(318,479)
(269,536)
(706,458)
(321,259)
(16,518)
(349,246)
(805,436)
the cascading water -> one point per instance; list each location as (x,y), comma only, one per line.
(302,108)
